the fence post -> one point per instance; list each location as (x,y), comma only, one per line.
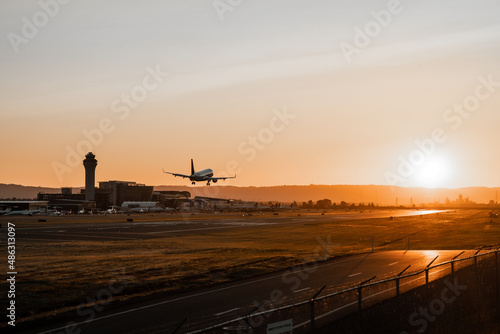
(498,291)
(360,286)
(427,301)
(311,301)
(478,291)
(397,296)
(360,298)
(427,276)
(179,326)
(453,266)
(453,315)
(247,316)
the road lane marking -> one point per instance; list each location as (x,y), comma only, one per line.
(302,290)
(354,274)
(393,263)
(234,309)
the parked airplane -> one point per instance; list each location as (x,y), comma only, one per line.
(8,210)
(202,175)
(23,213)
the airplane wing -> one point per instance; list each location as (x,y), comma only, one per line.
(222,178)
(175,174)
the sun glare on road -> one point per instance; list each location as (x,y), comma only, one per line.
(430,254)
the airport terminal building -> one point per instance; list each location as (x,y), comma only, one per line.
(114,193)
(109,194)
(66,200)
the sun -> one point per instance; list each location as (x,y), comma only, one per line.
(433,173)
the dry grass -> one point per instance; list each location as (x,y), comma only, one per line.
(55,276)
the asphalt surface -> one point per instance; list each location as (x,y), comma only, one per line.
(229,301)
(206,307)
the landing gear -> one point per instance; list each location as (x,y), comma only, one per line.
(208,183)
(193,182)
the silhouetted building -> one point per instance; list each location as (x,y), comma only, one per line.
(9,206)
(66,200)
(65,194)
(90,164)
(124,191)
(102,199)
(170,199)
(66,191)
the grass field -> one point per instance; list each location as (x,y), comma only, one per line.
(54,277)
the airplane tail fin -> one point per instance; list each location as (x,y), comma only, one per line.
(192,167)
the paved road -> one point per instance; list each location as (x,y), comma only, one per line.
(229,301)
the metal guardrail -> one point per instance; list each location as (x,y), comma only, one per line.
(358,289)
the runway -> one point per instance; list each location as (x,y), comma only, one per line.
(120,229)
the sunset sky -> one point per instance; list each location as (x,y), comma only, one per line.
(281,92)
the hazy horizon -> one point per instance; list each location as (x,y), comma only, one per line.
(288,92)
(378,194)
(202,185)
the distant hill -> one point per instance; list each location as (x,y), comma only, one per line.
(26,192)
(383,195)
(23,192)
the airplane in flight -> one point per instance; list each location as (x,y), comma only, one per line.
(202,175)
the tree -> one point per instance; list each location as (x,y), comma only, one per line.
(308,205)
(324,203)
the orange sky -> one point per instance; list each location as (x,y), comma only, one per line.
(266,89)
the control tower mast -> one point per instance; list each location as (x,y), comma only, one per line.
(90,163)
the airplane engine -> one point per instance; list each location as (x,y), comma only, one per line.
(214,181)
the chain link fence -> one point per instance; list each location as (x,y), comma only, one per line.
(457,296)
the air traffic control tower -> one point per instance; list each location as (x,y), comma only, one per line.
(90,163)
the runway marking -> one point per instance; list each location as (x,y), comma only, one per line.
(354,274)
(393,263)
(234,309)
(80,236)
(85,225)
(302,290)
(194,229)
(107,228)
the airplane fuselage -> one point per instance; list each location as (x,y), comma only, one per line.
(202,175)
